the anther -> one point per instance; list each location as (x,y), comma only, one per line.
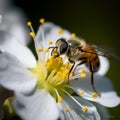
(82,70)
(94,95)
(59,99)
(46,50)
(42,20)
(82,75)
(50,42)
(85,109)
(29,23)
(82,92)
(73,35)
(60,31)
(67,109)
(32,34)
(40,49)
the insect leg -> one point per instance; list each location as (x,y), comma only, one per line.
(73,64)
(92,77)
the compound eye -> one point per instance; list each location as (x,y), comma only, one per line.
(63,47)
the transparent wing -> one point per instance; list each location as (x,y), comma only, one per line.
(105,52)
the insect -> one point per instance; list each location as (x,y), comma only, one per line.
(78,50)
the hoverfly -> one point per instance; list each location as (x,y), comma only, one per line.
(78,50)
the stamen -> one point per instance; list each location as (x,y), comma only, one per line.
(73,35)
(29,23)
(73,99)
(94,95)
(85,109)
(42,20)
(60,31)
(82,70)
(32,34)
(40,49)
(82,73)
(59,99)
(54,78)
(82,92)
(46,50)
(50,42)
(67,109)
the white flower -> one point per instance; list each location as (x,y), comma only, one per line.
(41,88)
(13,21)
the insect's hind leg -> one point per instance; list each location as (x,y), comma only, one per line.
(92,79)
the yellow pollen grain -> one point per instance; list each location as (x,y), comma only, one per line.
(59,99)
(73,35)
(82,92)
(32,34)
(59,82)
(40,49)
(67,109)
(50,42)
(82,70)
(94,95)
(60,31)
(42,20)
(29,23)
(54,79)
(85,109)
(82,75)
(46,50)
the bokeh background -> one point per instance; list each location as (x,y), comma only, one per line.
(96,21)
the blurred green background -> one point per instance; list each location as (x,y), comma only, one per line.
(96,21)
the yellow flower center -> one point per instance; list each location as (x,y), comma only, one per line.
(52,75)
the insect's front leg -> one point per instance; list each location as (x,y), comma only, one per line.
(73,64)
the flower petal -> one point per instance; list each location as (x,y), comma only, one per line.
(103,111)
(49,31)
(103,86)
(39,106)
(74,111)
(14,76)
(9,43)
(14,21)
(104,66)
(4,4)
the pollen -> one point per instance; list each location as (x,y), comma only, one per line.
(42,20)
(67,109)
(32,34)
(82,70)
(59,99)
(73,35)
(82,92)
(82,73)
(29,23)
(94,95)
(54,78)
(50,42)
(40,49)
(60,31)
(85,109)
(46,50)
